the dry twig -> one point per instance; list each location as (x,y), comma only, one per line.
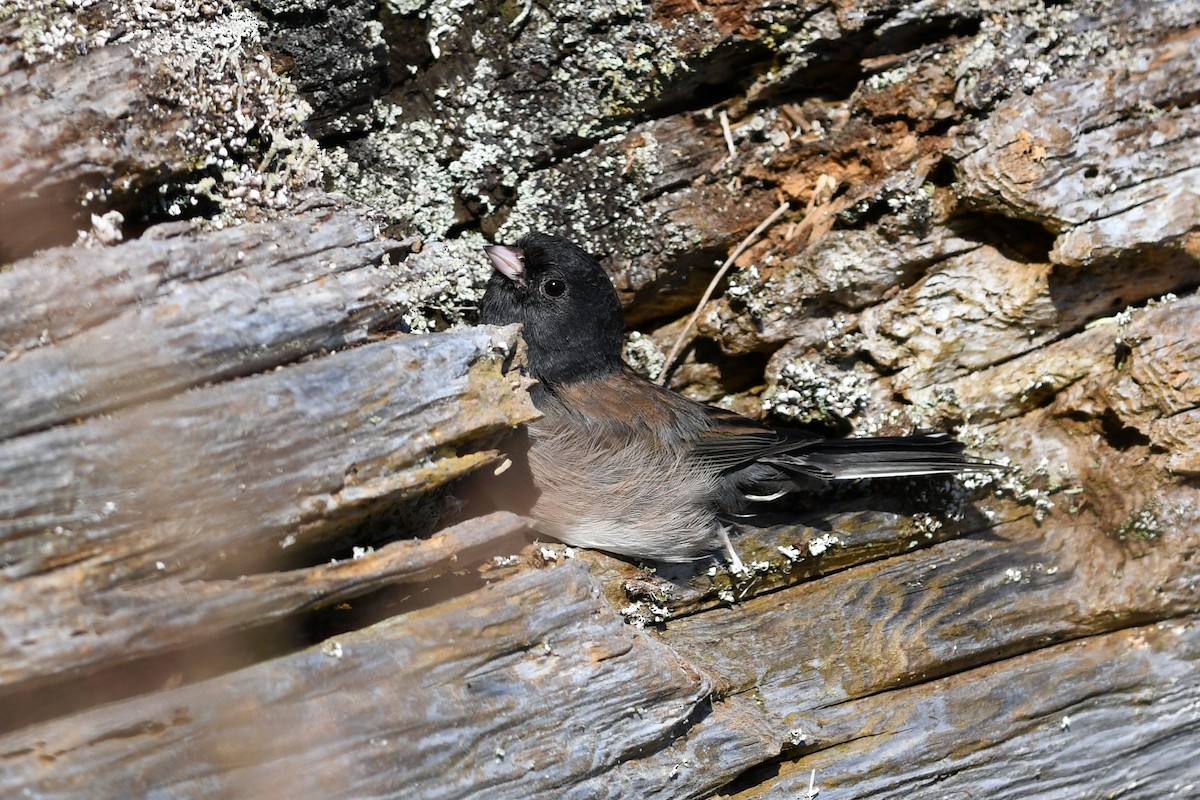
(712,286)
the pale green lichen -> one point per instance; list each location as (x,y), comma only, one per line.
(243,121)
(421,172)
(1146,524)
(596,198)
(238,108)
(1023,47)
(442,285)
(419,191)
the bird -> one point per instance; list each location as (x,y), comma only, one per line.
(620,464)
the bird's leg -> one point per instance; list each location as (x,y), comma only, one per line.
(735,563)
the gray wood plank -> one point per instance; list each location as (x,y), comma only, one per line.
(521,689)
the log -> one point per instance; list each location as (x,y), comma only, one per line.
(385,708)
(1127,183)
(237,402)
(1021,726)
(92,331)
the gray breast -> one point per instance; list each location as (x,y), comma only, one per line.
(631,496)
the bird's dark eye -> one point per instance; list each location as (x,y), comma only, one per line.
(554,288)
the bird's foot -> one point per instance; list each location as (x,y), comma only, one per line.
(735,564)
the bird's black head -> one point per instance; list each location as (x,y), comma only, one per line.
(572,318)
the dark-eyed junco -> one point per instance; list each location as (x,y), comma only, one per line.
(620,464)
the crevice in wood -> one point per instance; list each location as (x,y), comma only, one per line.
(169,198)
(327,615)
(30,703)
(1119,435)
(1021,240)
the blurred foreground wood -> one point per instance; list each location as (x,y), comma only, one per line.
(233,406)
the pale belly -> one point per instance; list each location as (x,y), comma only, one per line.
(634,500)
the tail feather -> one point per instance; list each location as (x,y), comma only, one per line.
(882,457)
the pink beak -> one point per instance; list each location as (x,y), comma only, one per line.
(508,261)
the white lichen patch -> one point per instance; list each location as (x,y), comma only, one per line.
(442,285)
(927,524)
(639,614)
(808,392)
(245,119)
(749,291)
(822,543)
(233,116)
(1016,486)
(486,130)
(1021,49)
(790,553)
(644,355)
(60,30)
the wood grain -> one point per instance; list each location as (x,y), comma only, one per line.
(228,563)
(225,479)
(432,702)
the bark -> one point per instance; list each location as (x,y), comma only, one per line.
(234,402)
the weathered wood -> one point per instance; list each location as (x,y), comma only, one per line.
(60,121)
(788,549)
(1157,344)
(225,478)
(1126,179)
(121,106)
(90,331)
(966,602)
(174,415)
(433,703)
(1110,716)
(1000,308)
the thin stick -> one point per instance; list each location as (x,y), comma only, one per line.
(813,791)
(728,135)
(526,6)
(712,287)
